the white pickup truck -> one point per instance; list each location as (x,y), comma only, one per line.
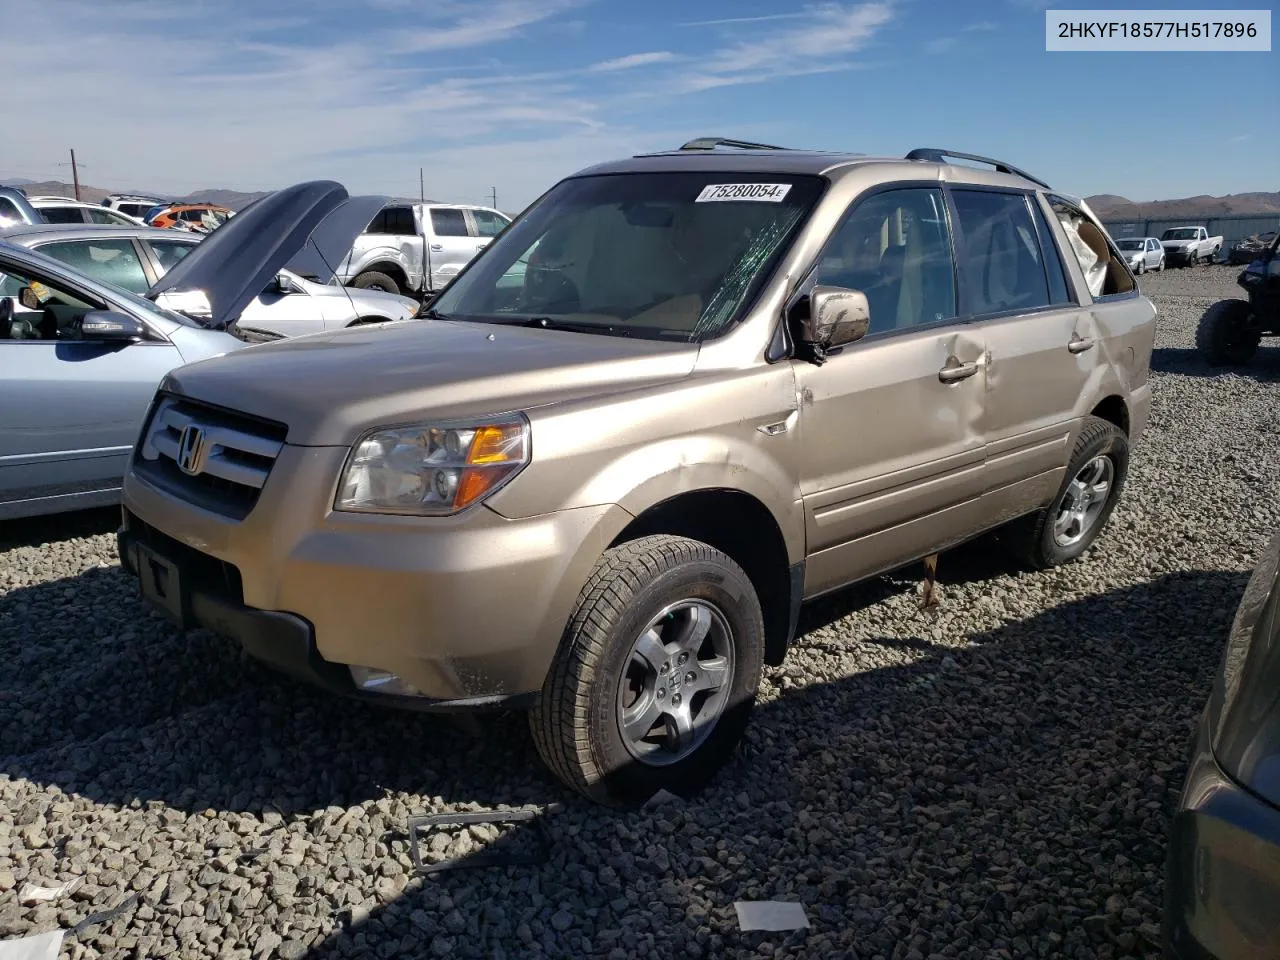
(1188,246)
(406,242)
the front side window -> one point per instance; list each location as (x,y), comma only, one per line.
(896,248)
(673,256)
(110,261)
(42,309)
(488,223)
(1001,260)
(449,223)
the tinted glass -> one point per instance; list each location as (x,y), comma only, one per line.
(1001,257)
(1059,290)
(169,252)
(488,224)
(662,255)
(62,214)
(449,223)
(108,217)
(110,261)
(896,248)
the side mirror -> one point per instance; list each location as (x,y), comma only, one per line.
(107,326)
(837,316)
(284,284)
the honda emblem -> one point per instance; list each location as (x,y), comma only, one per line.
(191,449)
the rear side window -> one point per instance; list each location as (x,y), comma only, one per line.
(1104,269)
(397,221)
(1000,256)
(1059,289)
(449,223)
(62,214)
(110,261)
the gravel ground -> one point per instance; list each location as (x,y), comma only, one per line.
(993,781)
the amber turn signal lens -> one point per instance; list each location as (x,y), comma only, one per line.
(500,443)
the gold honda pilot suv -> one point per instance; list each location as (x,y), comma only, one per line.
(680,395)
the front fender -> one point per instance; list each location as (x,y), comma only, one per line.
(642,450)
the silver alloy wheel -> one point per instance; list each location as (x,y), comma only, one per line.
(675,682)
(1085,498)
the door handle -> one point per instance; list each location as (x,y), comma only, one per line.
(961,371)
(437,247)
(1080,344)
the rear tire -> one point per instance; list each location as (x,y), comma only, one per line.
(373,280)
(1223,337)
(600,682)
(1065,529)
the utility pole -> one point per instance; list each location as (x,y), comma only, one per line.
(75,172)
(493,191)
(422,187)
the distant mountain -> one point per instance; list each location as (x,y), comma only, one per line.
(1110,207)
(234,199)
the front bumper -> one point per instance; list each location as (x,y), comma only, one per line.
(466,609)
(1222,878)
(1177,255)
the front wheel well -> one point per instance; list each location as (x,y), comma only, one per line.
(742,527)
(1114,410)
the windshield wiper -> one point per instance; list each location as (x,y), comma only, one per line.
(551,323)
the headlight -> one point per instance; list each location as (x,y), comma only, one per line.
(432,469)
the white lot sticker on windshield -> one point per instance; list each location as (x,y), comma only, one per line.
(759,192)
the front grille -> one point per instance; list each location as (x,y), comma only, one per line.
(217,459)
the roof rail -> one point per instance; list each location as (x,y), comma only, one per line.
(935,155)
(710,143)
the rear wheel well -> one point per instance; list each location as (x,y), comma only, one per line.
(742,527)
(390,268)
(1114,410)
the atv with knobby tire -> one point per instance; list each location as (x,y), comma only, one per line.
(1231,330)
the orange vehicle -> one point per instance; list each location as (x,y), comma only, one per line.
(198,217)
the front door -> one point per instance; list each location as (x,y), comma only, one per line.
(891,426)
(70,410)
(450,244)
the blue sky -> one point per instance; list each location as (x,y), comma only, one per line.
(175,95)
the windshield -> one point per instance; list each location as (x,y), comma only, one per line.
(1189,233)
(659,255)
(1131,244)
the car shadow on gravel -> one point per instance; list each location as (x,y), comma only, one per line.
(1264,367)
(989,797)
(38,531)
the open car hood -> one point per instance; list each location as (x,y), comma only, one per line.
(306,227)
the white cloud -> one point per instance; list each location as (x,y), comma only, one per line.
(940,45)
(830,32)
(266,99)
(730,20)
(982,26)
(499,20)
(632,60)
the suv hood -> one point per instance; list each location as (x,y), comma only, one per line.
(328,388)
(305,227)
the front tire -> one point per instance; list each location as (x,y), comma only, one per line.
(1223,337)
(656,675)
(1095,477)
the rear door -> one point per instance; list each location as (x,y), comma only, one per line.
(451,244)
(70,410)
(1041,343)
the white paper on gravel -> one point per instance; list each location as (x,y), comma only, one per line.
(770,915)
(32,893)
(43,946)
